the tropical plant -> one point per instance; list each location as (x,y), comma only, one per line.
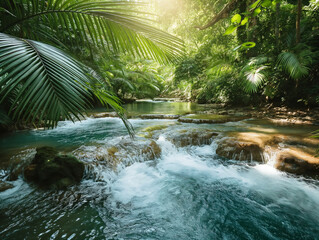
(41,82)
(297,61)
(254,73)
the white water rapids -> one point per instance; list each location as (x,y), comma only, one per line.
(186,193)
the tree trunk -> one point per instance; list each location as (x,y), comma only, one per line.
(252,34)
(241,31)
(299,9)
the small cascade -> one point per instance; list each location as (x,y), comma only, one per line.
(270,155)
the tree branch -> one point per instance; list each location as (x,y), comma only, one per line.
(221,15)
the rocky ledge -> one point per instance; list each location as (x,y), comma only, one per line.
(211,118)
(191,118)
(159,116)
(297,162)
(290,153)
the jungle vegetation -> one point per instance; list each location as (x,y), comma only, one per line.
(58,58)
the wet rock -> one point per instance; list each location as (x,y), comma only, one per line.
(152,151)
(159,116)
(211,118)
(104,115)
(5,186)
(297,162)
(243,151)
(48,169)
(118,153)
(19,162)
(196,137)
(113,158)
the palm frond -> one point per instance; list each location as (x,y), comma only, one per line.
(108,99)
(124,82)
(218,67)
(296,65)
(4,118)
(109,24)
(44,83)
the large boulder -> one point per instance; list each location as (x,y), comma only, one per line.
(297,162)
(51,170)
(243,151)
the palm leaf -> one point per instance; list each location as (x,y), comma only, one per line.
(114,25)
(254,78)
(4,118)
(295,64)
(254,73)
(44,83)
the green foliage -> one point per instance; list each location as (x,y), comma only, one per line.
(254,73)
(40,83)
(296,63)
(112,25)
(260,58)
(39,80)
(224,89)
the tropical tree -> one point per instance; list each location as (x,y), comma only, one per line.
(39,81)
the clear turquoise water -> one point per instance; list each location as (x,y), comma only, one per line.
(187,193)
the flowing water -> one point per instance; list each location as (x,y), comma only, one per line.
(186,193)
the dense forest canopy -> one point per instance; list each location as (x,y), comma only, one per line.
(244,52)
(61,57)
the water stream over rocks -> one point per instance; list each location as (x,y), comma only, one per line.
(167,183)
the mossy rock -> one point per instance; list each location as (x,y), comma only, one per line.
(51,170)
(44,154)
(149,131)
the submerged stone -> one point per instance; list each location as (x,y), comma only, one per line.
(51,170)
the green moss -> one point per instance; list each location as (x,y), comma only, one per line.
(149,130)
(155,128)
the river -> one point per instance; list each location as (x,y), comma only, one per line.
(189,192)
